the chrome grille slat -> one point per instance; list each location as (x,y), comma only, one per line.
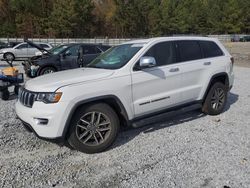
(27,98)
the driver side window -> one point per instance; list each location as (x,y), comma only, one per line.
(73,51)
(164,53)
(22,46)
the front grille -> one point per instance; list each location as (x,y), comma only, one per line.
(27,98)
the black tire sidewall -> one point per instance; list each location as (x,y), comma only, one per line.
(115,126)
(5,94)
(207,107)
(9,54)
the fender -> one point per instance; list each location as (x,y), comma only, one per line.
(222,74)
(123,111)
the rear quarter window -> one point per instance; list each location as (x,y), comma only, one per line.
(210,49)
(188,50)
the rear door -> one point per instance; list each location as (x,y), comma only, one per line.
(193,69)
(90,53)
(156,88)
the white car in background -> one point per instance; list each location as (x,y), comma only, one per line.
(22,51)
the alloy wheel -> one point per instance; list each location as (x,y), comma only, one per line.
(218,98)
(93,128)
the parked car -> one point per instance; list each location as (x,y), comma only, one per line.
(2,45)
(63,57)
(245,38)
(21,51)
(235,38)
(128,83)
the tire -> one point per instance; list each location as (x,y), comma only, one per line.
(5,94)
(87,135)
(9,56)
(215,100)
(16,89)
(47,70)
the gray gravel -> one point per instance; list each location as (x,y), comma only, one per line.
(186,150)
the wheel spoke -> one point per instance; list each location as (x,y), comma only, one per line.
(98,118)
(92,117)
(100,134)
(90,135)
(83,134)
(84,121)
(96,140)
(81,126)
(102,124)
(104,129)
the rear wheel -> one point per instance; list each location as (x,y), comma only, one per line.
(47,70)
(93,128)
(215,100)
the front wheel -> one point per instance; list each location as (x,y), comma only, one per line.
(216,99)
(9,56)
(47,70)
(5,94)
(93,128)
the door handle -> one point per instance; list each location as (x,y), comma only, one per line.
(207,63)
(174,70)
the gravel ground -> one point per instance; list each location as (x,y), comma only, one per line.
(185,150)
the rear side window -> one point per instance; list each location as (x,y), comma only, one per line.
(90,50)
(189,50)
(210,49)
(163,53)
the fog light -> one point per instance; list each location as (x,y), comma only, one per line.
(41,121)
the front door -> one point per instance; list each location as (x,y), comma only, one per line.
(157,88)
(69,58)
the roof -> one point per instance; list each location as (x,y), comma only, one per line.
(170,38)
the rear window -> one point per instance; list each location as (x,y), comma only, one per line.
(189,50)
(210,49)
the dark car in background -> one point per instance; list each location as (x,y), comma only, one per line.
(245,38)
(63,57)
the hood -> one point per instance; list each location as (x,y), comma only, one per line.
(3,50)
(37,46)
(51,82)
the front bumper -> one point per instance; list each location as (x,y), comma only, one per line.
(56,115)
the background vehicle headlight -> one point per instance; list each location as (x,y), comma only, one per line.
(49,97)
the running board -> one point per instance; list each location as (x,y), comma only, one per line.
(164,116)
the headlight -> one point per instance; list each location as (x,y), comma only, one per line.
(49,97)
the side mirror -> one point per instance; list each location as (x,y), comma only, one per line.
(147,62)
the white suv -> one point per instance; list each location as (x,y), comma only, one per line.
(135,80)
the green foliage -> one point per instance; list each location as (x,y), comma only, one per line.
(122,18)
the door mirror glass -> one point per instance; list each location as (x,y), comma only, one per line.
(147,62)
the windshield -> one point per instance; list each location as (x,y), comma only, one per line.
(116,57)
(58,49)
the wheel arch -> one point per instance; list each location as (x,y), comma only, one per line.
(112,100)
(221,77)
(45,66)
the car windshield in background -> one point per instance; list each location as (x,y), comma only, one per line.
(58,49)
(116,57)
